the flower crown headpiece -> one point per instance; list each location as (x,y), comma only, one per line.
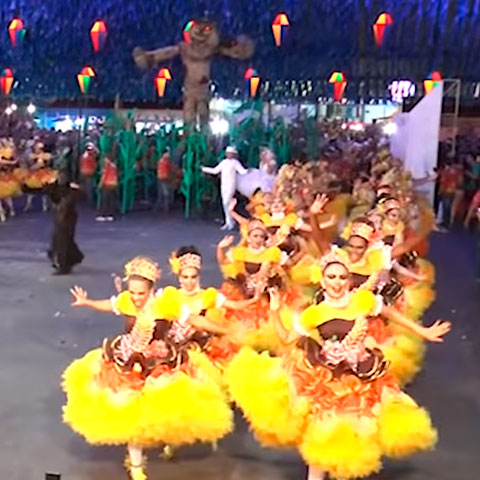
(142,267)
(362,230)
(256,224)
(187,260)
(391,204)
(335,255)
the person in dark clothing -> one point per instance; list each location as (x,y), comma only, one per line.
(64,252)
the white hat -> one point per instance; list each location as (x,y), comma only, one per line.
(231,149)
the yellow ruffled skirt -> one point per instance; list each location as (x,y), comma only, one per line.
(176,407)
(9,186)
(262,389)
(342,426)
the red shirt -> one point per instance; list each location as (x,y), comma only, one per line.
(163,168)
(109,175)
(450,179)
(88,164)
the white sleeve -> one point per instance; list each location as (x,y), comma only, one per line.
(387,257)
(213,170)
(240,168)
(221,299)
(297,326)
(377,309)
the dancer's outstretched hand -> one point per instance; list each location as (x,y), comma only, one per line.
(80,295)
(226,242)
(435,332)
(232,204)
(319,204)
(117,283)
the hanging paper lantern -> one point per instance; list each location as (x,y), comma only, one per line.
(85,78)
(279,27)
(186,31)
(17,31)
(432,81)
(161,80)
(252,80)
(339,82)
(98,34)
(384,20)
(6,81)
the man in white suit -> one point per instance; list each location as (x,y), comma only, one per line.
(228,169)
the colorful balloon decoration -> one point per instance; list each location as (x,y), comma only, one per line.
(432,81)
(85,78)
(6,81)
(339,82)
(279,27)
(380,27)
(252,80)
(161,80)
(16,31)
(98,35)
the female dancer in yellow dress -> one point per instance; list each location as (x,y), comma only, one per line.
(393,227)
(250,268)
(370,260)
(153,384)
(330,393)
(10,186)
(208,303)
(39,175)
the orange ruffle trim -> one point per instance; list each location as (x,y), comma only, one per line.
(347,395)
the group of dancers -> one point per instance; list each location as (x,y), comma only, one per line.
(312,341)
(20,174)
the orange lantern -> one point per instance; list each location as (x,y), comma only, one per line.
(16,31)
(161,80)
(98,35)
(339,82)
(84,79)
(432,81)
(6,81)
(252,80)
(279,25)
(384,20)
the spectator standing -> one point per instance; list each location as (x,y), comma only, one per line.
(108,187)
(164,169)
(88,168)
(449,179)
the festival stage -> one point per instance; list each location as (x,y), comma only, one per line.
(40,334)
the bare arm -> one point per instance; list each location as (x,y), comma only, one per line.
(408,273)
(221,247)
(82,300)
(200,322)
(408,245)
(434,333)
(286,336)
(236,216)
(317,207)
(239,304)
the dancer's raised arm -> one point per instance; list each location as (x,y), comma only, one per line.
(82,300)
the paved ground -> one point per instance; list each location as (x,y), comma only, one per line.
(40,334)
